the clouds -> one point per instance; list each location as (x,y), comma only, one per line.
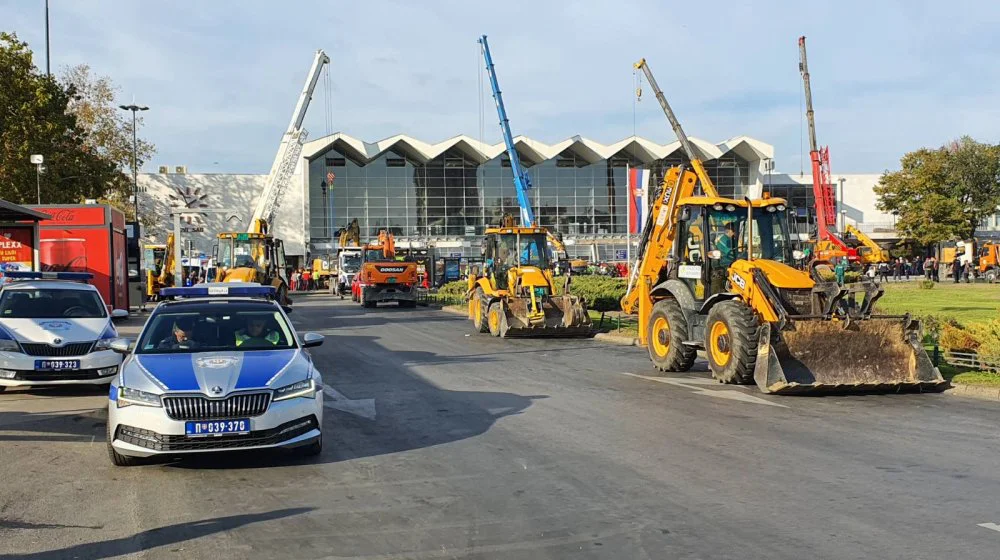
(222,77)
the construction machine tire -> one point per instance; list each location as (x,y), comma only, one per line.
(991,276)
(479,312)
(365,303)
(731,342)
(667,331)
(496,320)
(407,303)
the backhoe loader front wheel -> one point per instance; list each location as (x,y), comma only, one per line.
(496,320)
(477,308)
(731,342)
(667,332)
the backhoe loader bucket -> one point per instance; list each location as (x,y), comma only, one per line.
(564,315)
(870,355)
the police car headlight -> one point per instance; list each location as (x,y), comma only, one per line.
(7,374)
(8,345)
(128,396)
(305,388)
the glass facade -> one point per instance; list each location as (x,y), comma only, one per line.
(456,196)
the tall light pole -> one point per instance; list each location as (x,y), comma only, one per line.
(843,207)
(135,148)
(48,49)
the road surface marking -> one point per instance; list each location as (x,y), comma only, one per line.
(992,526)
(690,383)
(365,408)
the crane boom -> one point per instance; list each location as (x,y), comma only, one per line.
(826,202)
(287,157)
(707,186)
(521,181)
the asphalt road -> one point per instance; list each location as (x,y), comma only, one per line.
(442,444)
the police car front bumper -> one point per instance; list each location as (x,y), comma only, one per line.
(143,431)
(96,368)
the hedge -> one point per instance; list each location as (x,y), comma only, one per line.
(980,338)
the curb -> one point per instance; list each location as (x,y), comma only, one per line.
(617,339)
(975,392)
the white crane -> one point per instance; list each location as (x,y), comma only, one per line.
(289,152)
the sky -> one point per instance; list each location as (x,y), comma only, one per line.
(221,78)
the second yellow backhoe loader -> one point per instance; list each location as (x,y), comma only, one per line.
(869,252)
(715,273)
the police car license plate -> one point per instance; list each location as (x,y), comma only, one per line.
(56,365)
(217,427)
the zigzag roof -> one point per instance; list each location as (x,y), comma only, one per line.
(534,151)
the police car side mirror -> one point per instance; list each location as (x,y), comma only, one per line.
(311,339)
(121,345)
(119,314)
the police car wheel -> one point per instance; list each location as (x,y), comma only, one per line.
(117,458)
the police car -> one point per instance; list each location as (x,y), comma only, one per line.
(217,368)
(55,330)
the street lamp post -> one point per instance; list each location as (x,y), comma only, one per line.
(843,207)
(135,148)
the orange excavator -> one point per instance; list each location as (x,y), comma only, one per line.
(383,277)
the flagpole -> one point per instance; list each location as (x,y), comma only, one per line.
(628,216)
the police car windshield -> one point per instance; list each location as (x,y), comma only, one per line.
(51,303)
(215,327)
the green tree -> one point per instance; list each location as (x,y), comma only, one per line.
(108,130)
(34,119)
(943,193)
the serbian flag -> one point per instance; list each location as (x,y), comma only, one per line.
(638,192)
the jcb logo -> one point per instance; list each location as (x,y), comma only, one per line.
(738,281)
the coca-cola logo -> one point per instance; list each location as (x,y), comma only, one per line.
(64,215)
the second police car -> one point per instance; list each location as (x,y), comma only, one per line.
(220,369)
(55,329)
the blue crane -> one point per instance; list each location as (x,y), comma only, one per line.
(521,181)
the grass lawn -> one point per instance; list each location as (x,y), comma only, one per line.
(962,302)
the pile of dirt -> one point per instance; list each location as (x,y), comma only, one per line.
(869,352)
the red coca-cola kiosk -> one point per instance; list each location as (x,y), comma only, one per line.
(87,238)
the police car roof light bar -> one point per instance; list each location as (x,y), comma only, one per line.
(29,275)
(210,290)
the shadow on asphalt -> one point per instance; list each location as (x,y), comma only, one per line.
(161,536)
(411,412)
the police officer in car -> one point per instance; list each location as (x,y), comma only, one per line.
(256,335)
(180,336)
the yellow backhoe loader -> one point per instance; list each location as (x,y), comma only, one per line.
(514,294)
(715,273)
(159,267)
(255,256)
(869,252)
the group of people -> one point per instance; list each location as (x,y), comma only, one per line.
(193,277)
(928,267)
(302,279)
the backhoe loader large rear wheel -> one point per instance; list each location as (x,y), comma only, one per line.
(478,309)
(668,330)
(731,342)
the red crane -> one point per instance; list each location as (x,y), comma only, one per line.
(828,243)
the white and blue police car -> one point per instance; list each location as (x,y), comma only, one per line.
(55,329)
(217,368)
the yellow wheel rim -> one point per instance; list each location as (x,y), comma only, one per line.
(660,338)
(494,319)
(719,343)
